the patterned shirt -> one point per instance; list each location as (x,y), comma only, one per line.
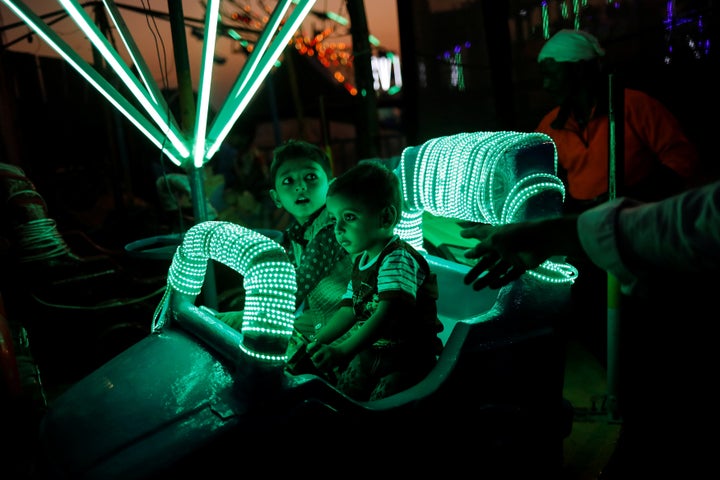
(314,250)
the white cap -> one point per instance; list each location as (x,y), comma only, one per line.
(571,46)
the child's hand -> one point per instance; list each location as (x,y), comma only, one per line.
(324,356)
(327,358)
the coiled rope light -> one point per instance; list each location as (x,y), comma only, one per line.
(269,281)
(475,177)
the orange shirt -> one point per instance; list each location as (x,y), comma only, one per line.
(652,134)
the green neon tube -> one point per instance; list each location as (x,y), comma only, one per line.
(251,78)
(206,69)
(137,58)
(219,130)
(95,79)
(121,69)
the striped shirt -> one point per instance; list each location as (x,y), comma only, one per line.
(399,273)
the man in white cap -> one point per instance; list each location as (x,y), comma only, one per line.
(659,159)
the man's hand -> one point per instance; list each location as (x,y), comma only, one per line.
(507,251)
(501,255)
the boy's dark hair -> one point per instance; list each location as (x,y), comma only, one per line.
(297,149)
(371,183)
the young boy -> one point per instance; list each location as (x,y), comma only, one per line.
(389,309)
(299,175)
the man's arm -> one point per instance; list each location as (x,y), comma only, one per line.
(628,239)
(633,240)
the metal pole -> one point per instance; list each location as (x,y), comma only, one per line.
(616,171)
(367,126)
(187,117)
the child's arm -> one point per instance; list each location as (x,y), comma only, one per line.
(369,332)
(326,356)
(338,324)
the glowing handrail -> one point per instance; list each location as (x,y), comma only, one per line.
(268,280)
(474,177)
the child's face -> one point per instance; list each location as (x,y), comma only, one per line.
(358,229)
(300,188)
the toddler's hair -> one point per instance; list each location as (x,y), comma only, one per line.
(370,183)
(298,149)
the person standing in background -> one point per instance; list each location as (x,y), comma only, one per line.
(659,159)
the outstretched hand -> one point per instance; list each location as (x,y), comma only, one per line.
(507,251)
(503,254)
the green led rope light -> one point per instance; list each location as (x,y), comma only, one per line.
(268,275)
(467,175)
(410,228)
(526,188)
(474,177)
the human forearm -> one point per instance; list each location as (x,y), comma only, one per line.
(338,324)
(632,240)
(368,333)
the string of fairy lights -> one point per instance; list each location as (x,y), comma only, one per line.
(685,25)
(242,21)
